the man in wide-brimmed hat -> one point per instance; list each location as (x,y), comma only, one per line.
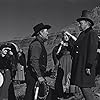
(40,27)
(84,56)
(37,59)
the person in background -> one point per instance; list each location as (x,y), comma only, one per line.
(21,66)
(37,59)
(98,59)
(62,61)
(8,52)
(6,74)
(20,60)
(84,56)
(21,57)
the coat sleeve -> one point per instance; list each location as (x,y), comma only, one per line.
(22,59)
(35,50)
(2,63)
(54,51)
(56,57)
(92,49)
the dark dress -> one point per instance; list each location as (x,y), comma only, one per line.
(62,66)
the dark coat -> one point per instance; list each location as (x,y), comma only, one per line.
(37,57)
(98,64)
(2,63)
(98,61)
(37,63)
(22,59)
(84,53)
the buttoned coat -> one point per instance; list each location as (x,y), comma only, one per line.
(84,52)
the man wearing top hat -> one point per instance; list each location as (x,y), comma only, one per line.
(37,59)
(84,56)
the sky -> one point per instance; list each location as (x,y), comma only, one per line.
(17,17)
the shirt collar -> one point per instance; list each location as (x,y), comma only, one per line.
(40,39)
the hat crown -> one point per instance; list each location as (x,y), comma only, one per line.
(38,26)
(86,13)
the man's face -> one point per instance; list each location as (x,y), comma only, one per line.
(83,24)
(44,34)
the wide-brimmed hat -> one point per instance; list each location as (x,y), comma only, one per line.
(86,16)
(39,27)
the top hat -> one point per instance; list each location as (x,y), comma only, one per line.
(85,16)
(39,27)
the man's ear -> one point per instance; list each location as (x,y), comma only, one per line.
(40,33)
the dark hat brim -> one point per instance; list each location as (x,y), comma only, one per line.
(87,19)
(44,27)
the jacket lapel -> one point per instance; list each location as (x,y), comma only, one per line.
(82,34)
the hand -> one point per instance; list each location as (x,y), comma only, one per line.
(88,71)
(72,36)
(41,79)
